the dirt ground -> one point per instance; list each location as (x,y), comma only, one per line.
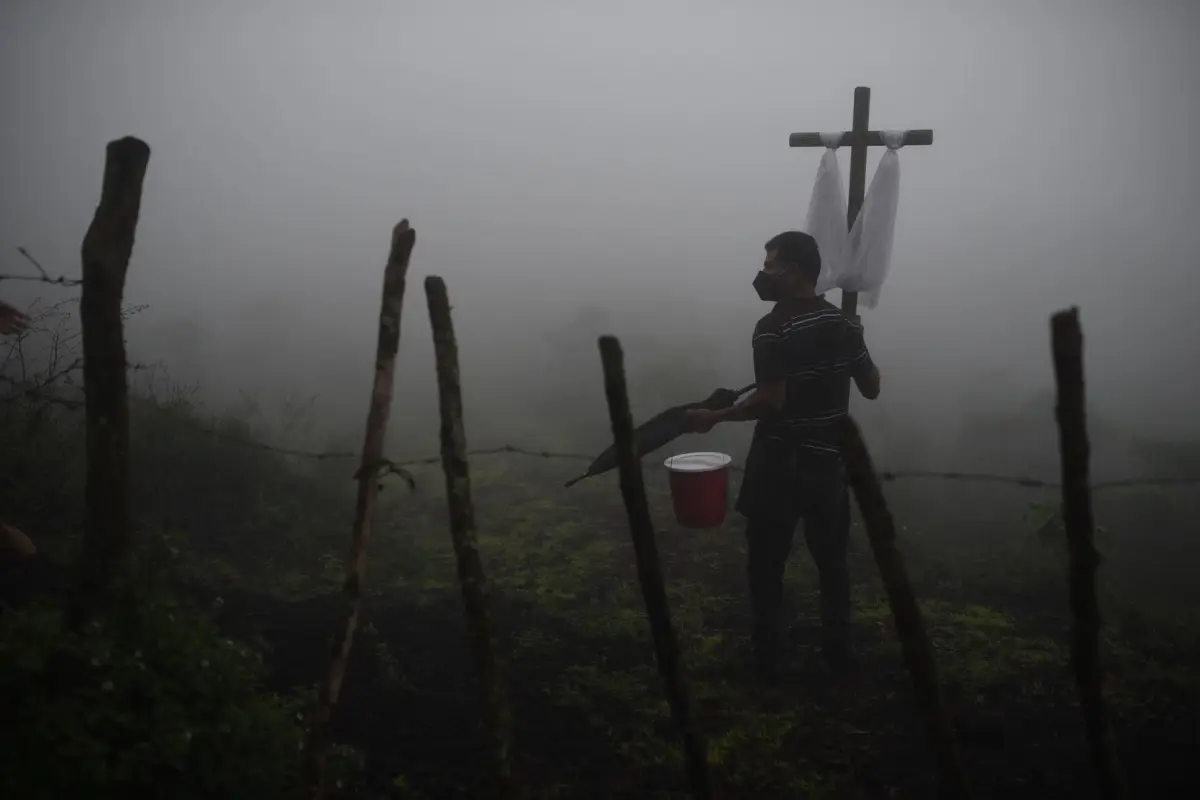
(589,710)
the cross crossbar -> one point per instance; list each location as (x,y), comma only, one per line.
(915,138)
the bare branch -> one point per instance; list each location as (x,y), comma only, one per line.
(34,261)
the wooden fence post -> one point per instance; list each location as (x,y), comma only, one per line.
(633,490)
(497,717)
(906,613)
(107,247)
(378,411)
(1071,411)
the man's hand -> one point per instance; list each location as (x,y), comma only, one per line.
(701,420)
(12,320)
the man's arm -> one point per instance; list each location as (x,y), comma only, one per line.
(768,396)
(862,368)
(770,375)
(867,381)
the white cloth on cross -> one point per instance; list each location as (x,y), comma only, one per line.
(867,252)
(827,214)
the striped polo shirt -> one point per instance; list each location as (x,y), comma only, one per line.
(817,349)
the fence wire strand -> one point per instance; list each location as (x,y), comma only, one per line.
(886,476)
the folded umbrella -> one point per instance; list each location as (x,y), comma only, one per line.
(661,429)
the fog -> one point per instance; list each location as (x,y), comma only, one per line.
(617,169)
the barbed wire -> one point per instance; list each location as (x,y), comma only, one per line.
(42,276)
(398,466)
(1036,483)
(886,476)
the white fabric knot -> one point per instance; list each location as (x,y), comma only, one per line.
(831,140)
(893,140)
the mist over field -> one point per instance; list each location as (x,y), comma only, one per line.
(573,170)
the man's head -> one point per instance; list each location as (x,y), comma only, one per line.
(792,266)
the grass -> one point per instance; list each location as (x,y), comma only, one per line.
(591,715)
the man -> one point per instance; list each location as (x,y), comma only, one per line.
(806,351)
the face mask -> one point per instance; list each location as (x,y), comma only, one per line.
(767,287)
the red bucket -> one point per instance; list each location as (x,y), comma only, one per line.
(699,488)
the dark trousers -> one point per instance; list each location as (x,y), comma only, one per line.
(780,491)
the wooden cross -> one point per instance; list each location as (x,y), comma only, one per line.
(859,139)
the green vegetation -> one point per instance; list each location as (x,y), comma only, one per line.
(156,703)
(246,550)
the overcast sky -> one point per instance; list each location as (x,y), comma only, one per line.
(631,157)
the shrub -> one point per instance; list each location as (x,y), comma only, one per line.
(152,703)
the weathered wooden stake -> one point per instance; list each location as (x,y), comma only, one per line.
(906,613)
(107,247)
(497,717)
(633,490)
(1071,410)
(378,411)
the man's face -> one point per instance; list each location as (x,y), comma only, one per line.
(780,274)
